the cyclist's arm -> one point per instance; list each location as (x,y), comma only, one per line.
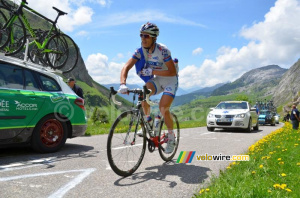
(125,70)
(170,72)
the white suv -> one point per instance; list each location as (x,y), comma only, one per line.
(233,114)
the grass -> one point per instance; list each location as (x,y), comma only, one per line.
(273,169)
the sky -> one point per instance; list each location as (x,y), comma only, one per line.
(216,41)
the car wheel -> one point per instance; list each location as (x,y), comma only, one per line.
(256,128)
(248,129)
(210,128)
(49,135)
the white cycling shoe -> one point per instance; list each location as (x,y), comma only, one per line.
(170,144)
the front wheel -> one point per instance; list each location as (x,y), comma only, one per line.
(125,149)
(162,139)
(12,39)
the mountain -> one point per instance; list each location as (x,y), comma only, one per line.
(261,81)
(288,89)
(200,93)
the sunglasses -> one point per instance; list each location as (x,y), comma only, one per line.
(146,36)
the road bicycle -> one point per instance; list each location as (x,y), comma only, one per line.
(125,148)
(49,47)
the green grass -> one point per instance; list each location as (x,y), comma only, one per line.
(273,169)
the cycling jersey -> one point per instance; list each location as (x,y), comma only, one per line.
(156,60)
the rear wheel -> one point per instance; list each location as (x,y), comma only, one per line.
(162,139)
(257,126)
(62,53)
(125,149)
(49,135)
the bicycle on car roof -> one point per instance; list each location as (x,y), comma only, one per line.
(47,47)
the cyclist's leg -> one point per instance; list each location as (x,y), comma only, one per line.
(154,86)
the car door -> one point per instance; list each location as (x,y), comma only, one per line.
(19,103)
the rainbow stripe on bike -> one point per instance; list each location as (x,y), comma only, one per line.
(186,157)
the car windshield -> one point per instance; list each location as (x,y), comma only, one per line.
(232,105)
(264,112)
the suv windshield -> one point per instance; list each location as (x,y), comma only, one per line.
(232,105)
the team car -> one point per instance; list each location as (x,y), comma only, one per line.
(233,114)
(266,117)
(37,107)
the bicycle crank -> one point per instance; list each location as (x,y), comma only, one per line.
(151,146)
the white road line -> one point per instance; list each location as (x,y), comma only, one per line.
(122,147)
(63,190)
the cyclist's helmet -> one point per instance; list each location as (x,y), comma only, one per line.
(150,28)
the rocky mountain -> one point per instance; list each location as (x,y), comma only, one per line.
(262,81)
(288,90)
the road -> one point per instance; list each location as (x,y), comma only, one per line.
(81,168)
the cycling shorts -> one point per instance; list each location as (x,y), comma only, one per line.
(166,84)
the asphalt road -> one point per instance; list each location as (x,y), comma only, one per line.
(81,168)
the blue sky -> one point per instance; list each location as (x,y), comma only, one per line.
(215,40)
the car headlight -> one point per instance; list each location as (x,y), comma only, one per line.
(242,115)
(210,115)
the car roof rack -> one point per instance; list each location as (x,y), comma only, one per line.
(27,63)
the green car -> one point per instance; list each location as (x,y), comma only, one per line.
(37,107)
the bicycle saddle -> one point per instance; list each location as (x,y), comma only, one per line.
(59,11)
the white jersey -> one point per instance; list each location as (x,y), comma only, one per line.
(156,60)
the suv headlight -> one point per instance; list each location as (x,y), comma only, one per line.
(242,115)
(210,115)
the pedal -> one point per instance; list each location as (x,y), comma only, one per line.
(151,146)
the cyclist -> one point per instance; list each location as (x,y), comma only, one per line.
(155,66)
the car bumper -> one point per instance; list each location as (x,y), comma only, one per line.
(78,130)
(241,123)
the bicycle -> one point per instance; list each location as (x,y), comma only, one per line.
(126,149)
(52,47)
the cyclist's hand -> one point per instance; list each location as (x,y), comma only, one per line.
(123,89)
(146,72)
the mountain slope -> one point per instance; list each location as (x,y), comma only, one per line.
(288,88)
(262,81)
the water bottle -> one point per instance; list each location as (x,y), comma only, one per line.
(156,125)
(176,64)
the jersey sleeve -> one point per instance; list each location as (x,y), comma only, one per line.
(137,55)
(166,54)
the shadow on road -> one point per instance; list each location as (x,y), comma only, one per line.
(188,173)
(26,156)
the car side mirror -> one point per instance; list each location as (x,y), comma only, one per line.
(211,108)
(253,109)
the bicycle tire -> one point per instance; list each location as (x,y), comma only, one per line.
(123,157)
(65,53)
(162,133)
(3,33)
(15,35)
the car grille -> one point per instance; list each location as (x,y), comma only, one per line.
(224,123)
(226,116)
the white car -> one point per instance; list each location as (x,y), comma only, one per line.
(233,114)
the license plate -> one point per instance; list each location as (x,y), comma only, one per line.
(224,120)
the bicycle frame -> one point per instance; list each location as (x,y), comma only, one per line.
(19,13)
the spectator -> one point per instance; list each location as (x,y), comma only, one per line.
(295,117)
(75,87)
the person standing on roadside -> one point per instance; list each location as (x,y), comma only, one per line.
(295,117)
(75,87)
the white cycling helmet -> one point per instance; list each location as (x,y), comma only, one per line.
(150,28)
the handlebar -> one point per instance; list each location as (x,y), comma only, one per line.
(146,94)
